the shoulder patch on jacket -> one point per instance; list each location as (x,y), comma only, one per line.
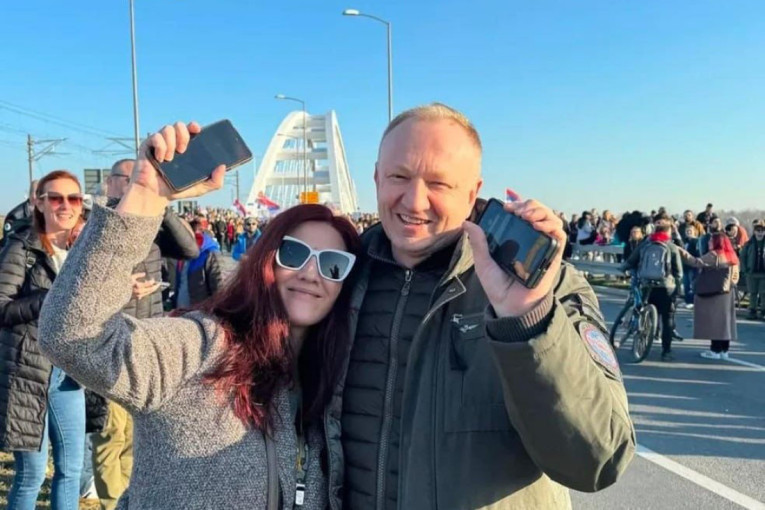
(599,348)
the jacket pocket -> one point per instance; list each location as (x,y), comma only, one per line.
(473,396)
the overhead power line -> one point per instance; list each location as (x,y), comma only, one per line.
(53,119)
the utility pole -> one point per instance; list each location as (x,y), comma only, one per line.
(237,185)
(30,155)
(33,156)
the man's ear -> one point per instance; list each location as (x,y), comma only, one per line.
(474,192)
(377,175)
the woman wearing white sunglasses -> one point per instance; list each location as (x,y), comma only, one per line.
(227,399)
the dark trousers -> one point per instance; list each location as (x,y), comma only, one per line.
(664,303)
(755,284)
(720,345)
(689,283)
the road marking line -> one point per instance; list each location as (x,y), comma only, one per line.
(699,479)
(746,363)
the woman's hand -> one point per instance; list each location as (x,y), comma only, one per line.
(148,193)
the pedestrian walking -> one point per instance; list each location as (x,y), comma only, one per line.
(690,234)
(753,269)
(247,238)
(199,278)
(714,314)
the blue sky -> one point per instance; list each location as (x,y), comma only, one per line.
(603,104)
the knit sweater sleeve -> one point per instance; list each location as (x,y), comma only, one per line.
(139,364)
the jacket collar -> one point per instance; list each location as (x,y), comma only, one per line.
(378,247)
(29,237)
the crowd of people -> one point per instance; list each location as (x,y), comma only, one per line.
(227,226)
(407,374)
(695,250)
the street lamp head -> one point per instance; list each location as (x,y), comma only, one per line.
(351,12)
(280,96)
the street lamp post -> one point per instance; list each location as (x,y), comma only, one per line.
(357,13)
(305,167)
(135,80)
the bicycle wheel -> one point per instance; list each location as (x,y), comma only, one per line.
(622,324)
(649,321)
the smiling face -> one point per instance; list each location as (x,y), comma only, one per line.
(307,296)
(61,204)
(428,175)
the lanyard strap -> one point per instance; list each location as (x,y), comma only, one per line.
(301,462)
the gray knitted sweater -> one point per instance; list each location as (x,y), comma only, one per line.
(190,451)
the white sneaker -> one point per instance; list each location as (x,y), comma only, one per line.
(724,355)
(710,355)
(689,306)
(90,494)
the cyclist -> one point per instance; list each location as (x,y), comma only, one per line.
(659,271)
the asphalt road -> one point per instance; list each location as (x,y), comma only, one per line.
(705,419)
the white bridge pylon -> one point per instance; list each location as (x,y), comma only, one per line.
(286,170)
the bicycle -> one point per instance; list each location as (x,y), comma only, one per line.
(638,320)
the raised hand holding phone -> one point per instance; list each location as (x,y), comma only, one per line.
(507,295)
(148,193)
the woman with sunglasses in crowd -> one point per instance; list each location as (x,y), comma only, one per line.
(39,403)
(228,399)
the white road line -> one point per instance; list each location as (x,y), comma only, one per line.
(746,363)
(700,480)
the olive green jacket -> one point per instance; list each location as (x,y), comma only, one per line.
(500,413)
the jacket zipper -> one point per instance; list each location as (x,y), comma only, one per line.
(390,384)
(272,491)
(433,395)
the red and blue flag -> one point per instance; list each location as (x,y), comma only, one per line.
(266,202)
(511,196)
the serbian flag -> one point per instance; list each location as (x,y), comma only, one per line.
(511,196)
(240,207)
(267,202)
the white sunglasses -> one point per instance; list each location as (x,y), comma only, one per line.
(334,265)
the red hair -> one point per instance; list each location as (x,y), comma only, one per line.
(722,246)
(258,358)
(39,218)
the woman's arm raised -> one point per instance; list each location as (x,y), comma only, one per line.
(137,363)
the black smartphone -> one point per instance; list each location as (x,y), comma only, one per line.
(518,248)
(217,144)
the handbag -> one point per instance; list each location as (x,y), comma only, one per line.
(713,282)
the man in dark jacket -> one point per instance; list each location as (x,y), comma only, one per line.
(113,442)
(661,290)
(753,267)
(20,215)
(706,216)
(464,389)
(220,229)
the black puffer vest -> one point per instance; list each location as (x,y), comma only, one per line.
(394,305)
(26,274)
